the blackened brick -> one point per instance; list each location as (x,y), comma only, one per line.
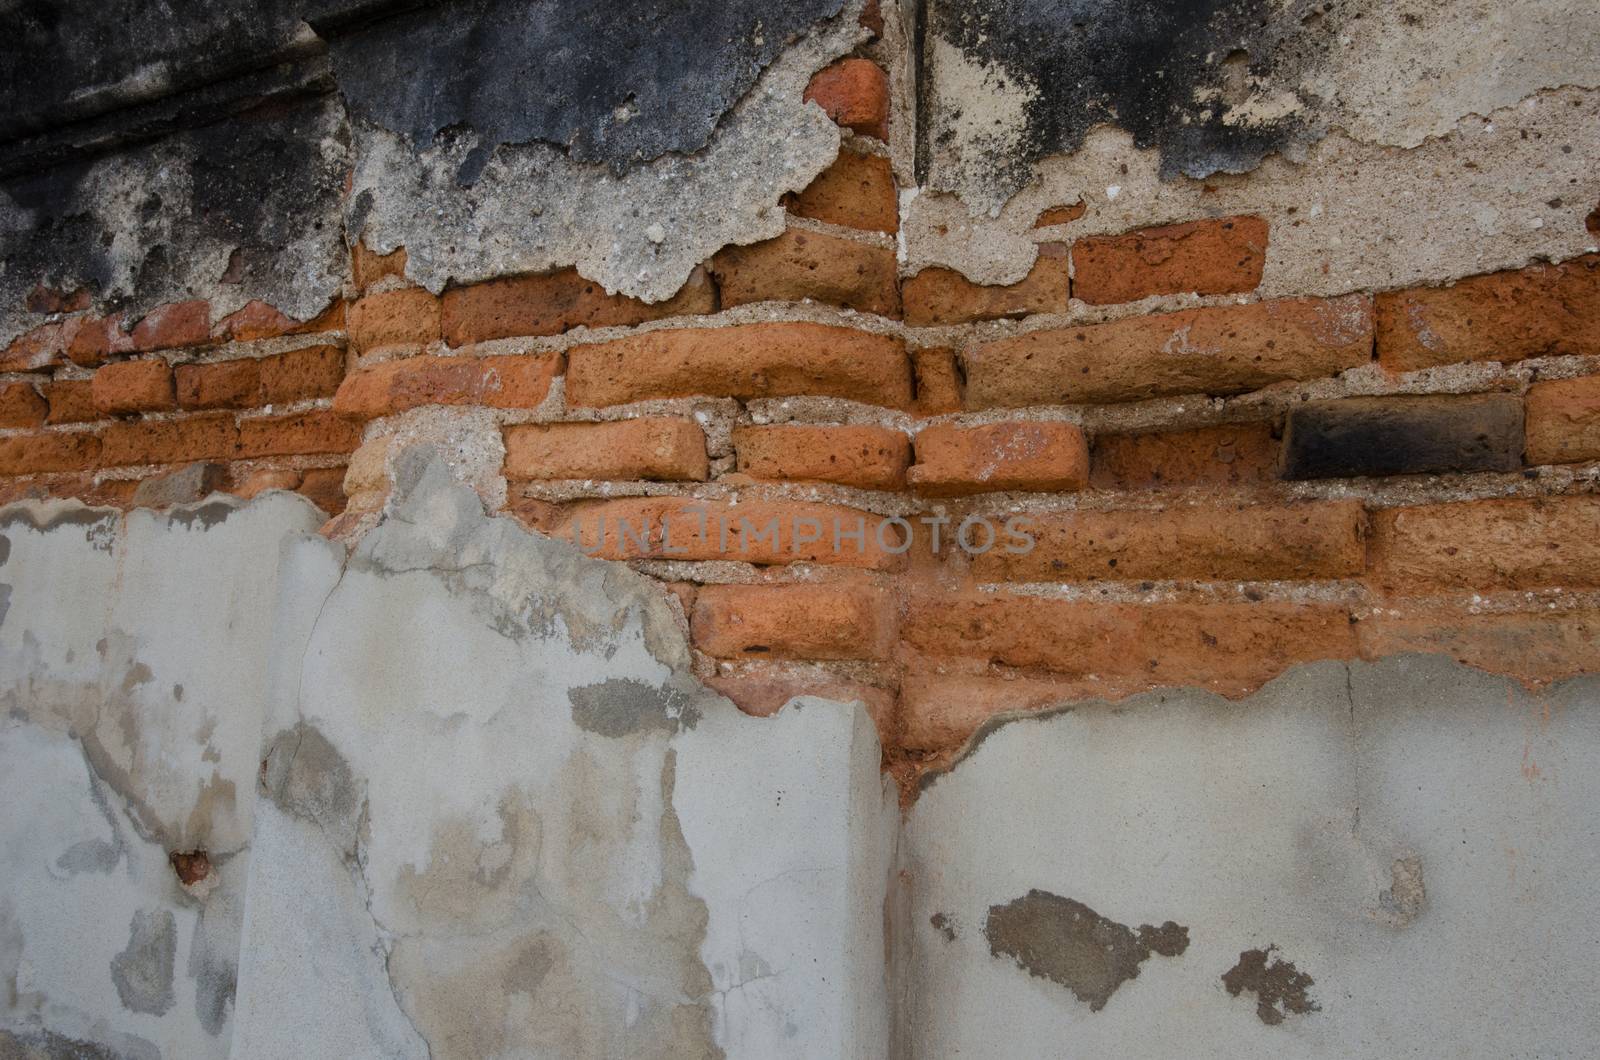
(1403,436)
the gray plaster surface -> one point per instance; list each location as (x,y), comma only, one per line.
(1416,839)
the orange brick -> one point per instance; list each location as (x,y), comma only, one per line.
(264,479)
(1061,215)
(232,384)
(134,386)
(322,487)
(71,401)
(1003,456)
(1255,543)
(368,266)
(747,361)
(409,316)
(171,326)
(1231,648)
(1532,647)
(872,458)
(555,302)
(824,622)
(857,191)
(854,93)
(1218,350)
(939,713)
(760,532)
(944,296)
(1221,256)
(1243,454)
(627,450)
(40,347)
(304,432)
(1541,311)
(255,320)
(801,265)
(207,437)
(312,372)
(21,405)
(93,340)
(1479,545)
(938,380)
(1563,421)
(509,382)
(27,454)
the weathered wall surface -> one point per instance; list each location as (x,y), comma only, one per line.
(1360,860)
(952,360)
(510,825)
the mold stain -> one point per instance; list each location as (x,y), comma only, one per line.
(1279,986)
(1066,942)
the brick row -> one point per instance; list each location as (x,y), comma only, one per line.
(206,436)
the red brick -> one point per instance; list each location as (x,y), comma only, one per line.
(555,302)
(743,532)
(1231,648)
(800,265)
(1003,456)
(312,372)
(406,317)
(40,347)
(258,320)
(179,441)
(944,296)
(94,340)
(1061,215)
(938,380)
(71,401)
(232,384)
(1480,545)
(322,487)
(627,450)
(1531,647)
(263,479)
(854,93)
(1541,311)
(171,326)
(21,405)
(303,432)
(44,299)
(1254,543)
(508,382)
(1218,350)
(368,266)
(134,386)
(857,191)
(1563,421)
(824,622)
(27,454)
(1242,454)
(940,712)
(872,458)
(1221,256)
(747,361)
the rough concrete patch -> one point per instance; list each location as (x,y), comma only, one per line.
(534,209)
(305,775)
(945,925)
(1488,193)
(621,706)
(1279,986)
(241,210)
(143,971)
(1406,895)
(672,69)
(1065,941)
(1217,85)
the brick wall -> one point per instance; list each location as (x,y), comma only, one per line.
(1217,486)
